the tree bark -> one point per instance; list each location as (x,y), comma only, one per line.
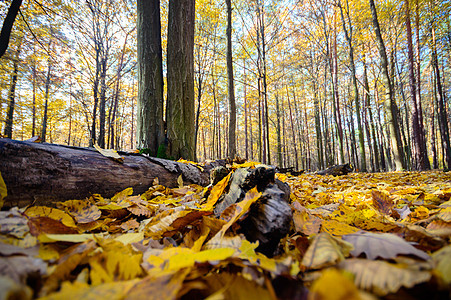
(48,173)
(231,86)
(442,114)
(150,128)
(180,106)
(12,95)
(389,101)
(420,149)
(7,26)
(348,35)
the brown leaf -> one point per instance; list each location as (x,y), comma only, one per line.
(384,245)
(325,250)
(382,202)
(83,211)
(41,225)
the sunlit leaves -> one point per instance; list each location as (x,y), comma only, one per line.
(345,239)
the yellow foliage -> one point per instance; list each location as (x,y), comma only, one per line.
(334,285)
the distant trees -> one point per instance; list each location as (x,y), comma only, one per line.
(314,82)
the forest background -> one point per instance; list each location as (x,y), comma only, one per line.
(312,85)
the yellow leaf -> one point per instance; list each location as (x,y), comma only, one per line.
(164,287)
(132,237)
(109,153)
(118,197)
(52,213)
(216,192)
(248,252)
(420,212)
(47,252)
(334,285)
(174,259)
(72,238)
(442,260)
(445,214)
(233,286)
(3,191)
(180,181)
(77,290)
(337,228)
(116,262)
(325,250)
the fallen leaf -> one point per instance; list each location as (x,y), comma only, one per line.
(382,202)
(77,290)
(216,192)
(382,278)
(40,225)
(337,228)
(384,245)
(325,250)
(109,153)
(442,261)
(52,213)
(3,190)
(164,287)
(334,285)
(82,211)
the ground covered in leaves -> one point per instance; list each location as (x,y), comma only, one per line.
(383,235)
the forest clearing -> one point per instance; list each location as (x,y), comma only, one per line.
(122,124)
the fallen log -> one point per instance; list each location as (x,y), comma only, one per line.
(43,174)
(337,170)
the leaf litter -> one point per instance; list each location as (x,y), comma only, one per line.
(351,237)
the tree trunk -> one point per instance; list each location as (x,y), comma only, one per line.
(46,173)
(442,114)
(150,128)
(180,63)
(46,103)
(348,35)
(389,101)
(231,87)
(12,98)
(420,149)
(7,26)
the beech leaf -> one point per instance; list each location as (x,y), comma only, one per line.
(325,250)
(383,245)
(381,277)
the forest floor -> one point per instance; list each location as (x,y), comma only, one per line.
(362,235)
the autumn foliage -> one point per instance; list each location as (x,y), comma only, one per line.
(354,236)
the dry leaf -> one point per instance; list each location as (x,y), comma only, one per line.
(3,190)
(384,245)
(381,277)
(442,261)
(325,250)
(109,153)
(83,211)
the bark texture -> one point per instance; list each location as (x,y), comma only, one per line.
(47,173)
(150,131)
(180,106)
